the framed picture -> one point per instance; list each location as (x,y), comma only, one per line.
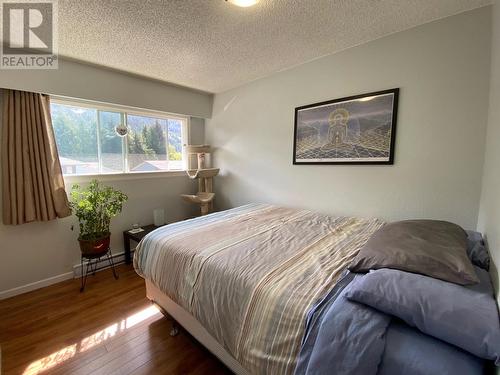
(358,129)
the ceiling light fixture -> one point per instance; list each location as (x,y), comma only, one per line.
(243,3)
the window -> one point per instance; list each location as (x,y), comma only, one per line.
(88,141)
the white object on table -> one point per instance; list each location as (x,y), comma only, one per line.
(159,217)
(136,230)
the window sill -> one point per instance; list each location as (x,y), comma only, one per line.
(69,179)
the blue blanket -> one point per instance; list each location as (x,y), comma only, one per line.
(342,337)
(346,338)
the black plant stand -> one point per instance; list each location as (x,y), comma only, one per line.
(95,258)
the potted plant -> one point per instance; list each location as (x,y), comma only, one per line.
(94,206)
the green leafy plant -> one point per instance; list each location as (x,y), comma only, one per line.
(94,206)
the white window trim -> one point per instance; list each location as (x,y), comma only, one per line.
(134,111)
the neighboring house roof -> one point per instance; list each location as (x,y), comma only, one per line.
(70,162)
(158,165)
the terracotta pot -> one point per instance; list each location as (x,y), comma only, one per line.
(95,247)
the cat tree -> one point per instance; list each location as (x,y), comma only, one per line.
(198,164)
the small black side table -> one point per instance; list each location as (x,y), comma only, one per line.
(137,237)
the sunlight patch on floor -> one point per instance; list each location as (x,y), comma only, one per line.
(57,358)
(141,316)
(51,360)
(98,337)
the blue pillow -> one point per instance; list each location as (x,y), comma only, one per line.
(476,250)
(466,317)
(410,352)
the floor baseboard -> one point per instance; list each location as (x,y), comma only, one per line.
(36,285)
(118,258)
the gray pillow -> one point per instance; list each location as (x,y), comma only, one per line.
(476,250)
(429,247)
(466,317)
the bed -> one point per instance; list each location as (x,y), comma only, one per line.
(251,284)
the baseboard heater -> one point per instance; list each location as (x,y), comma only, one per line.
(118,258)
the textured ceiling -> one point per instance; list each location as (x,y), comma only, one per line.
(212,45)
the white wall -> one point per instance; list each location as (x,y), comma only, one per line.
(37,251)
(89,82)
(489,213)
(442,69)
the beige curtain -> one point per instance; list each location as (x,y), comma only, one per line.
(32,182)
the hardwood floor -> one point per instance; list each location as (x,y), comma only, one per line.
(111,328)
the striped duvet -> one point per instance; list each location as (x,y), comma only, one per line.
(251,274)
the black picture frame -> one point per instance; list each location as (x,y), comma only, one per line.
(371,133)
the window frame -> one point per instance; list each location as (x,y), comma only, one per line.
(124,111)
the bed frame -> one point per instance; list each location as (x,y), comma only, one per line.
(190,324)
